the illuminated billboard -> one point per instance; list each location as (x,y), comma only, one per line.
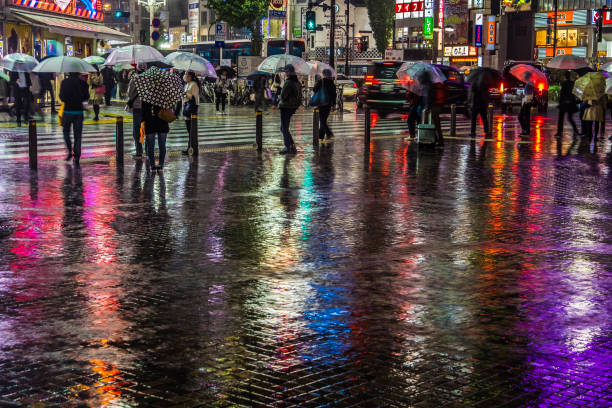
(91,9)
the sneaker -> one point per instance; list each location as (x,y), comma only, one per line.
(69,157)
(284,151)
(292,150)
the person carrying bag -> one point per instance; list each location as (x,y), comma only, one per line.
(324,98)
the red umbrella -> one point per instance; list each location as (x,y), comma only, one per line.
(528,73)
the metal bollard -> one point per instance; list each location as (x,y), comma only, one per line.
(453,123)
(193,149)
(490,119)
(119,140)
(368,125)
(315,127)
(259,130)
(33,144)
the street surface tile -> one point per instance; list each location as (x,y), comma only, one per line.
(387,275)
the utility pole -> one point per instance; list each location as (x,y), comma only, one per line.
(555,29)
(347,48)
(332,30)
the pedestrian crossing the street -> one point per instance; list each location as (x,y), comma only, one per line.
(213,131)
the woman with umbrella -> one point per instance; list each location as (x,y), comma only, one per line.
(328,99)
(96,91)
(567,105)
(159,91)
(191,101)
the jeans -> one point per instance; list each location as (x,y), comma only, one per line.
(76,121)
(413,119)
(221,98)
(22,103)
(570,114)
(323,127)
(525,119)
(482,111)
(136,121)
(161,140)
(285,114)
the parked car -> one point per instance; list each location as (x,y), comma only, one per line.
(382,90)
(512,89)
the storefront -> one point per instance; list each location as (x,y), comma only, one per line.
(414,29)
(56,27)
(461,55)
(573,33)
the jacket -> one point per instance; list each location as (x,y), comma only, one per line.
(330,91)
(73,92)
(95,81)
(108,75)
(133,98)
(153,124)
(14,77)
(596,111)
(291,94)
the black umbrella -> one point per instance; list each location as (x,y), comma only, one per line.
(229,71)
(256,74)
(484,77)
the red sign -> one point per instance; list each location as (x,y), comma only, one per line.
(91,9)
(413,7)
(277,4)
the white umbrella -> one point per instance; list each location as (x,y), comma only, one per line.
(18,62)
(606,67)
(133,54)
(318,67)
(609,86)
(276,63)
(568,61)
(64,64)
(187,61)
(411,75)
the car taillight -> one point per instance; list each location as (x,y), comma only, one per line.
(540,87)
(369,80)
(354,85)
(501,89)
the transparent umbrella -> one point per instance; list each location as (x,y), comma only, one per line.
(95,60)
(590,86)
(568,61)
(411,76)
(317,68)
(133,54)
(18,62)
(187,61)
(528,73)
(276,63)
(64,64)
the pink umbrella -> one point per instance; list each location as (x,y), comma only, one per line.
(528,73)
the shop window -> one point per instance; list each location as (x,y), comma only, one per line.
(541,38)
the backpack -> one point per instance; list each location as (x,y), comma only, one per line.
(439,94)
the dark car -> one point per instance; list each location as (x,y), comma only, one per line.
(457,88)
(382,90)
(512,88)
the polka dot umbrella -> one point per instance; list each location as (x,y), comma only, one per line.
(159,88)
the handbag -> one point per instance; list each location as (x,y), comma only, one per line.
(319,98)
(167,115)
(100,90)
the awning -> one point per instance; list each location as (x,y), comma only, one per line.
(71,27)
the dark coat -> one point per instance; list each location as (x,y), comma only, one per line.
(73,92)
(153,124)
(566,97)
(330,90)
(108,76)
(290,96)
(14,77)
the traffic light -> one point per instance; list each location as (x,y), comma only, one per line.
(311,21)
(121,13)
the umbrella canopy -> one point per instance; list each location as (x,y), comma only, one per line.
(256,74)
(567,62)
(229,71)
(4,76)
(276,63)
(159,88)
(18,62)
(606,67)
(64,64)
(121,67)
(412,75)
(187,61)
(590,86)
(95,60)
(528,73)
(609,86)
(484,78)
(317,68)
(133,54)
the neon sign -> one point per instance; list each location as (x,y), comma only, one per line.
(91,9)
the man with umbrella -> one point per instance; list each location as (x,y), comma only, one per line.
(21,83)
(108,77)
(567,105)
(73,92)
(290,101)
(527,101)
(481,79)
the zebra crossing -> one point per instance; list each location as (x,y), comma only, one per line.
(213,131)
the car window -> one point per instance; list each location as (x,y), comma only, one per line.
(382,71)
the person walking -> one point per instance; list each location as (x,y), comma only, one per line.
(155,127)
(20,83)
(108,78)
(221,91)
(290,101)
(479,96)
(567,105)
(96,91)
(46,85)
(437,99)
(527,102)
(191,101)
(73,92)
(594,115)
(135,105)
(327,86)
(414,113)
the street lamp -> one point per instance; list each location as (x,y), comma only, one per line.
(152,6)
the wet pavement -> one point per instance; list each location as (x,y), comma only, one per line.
(477,275)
